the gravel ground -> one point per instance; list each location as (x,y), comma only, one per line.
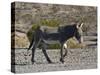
(75,60)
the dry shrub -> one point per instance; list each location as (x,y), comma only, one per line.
(73,43)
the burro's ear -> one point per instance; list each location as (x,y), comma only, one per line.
(80,25)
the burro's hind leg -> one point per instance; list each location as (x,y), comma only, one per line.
(36,43)
(61,53)
(45,53)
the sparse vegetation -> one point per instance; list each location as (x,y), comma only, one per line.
(72,43)
(54,46)
(52,22)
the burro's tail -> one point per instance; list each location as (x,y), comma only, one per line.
(31,43)
(36,36)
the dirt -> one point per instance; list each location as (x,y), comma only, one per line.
(76,59)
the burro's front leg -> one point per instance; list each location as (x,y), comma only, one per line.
(65,48)
(63,51)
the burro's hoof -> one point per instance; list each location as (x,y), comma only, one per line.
(61,60)
(50,62)
(33,61)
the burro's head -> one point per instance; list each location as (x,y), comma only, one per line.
(79,32)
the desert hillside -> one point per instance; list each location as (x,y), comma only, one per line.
(29,14)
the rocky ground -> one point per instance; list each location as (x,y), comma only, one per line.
(85,58)
(75,60)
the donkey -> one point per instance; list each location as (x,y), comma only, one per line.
(64,33)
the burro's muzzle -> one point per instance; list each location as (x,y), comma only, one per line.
(81,40)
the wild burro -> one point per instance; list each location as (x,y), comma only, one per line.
(62,34)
